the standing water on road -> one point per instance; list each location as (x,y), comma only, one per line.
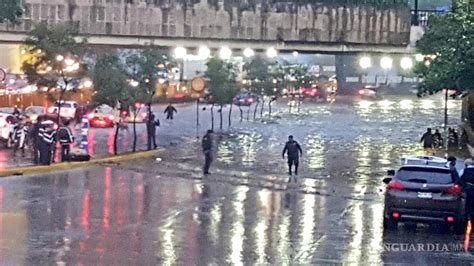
(166,212)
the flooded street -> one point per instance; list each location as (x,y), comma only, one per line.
(163,211)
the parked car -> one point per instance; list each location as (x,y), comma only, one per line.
(68,109)
(128,116)
(32,112)
(6,127)
(245,99)
(426,193)
(102,116)
(311,92)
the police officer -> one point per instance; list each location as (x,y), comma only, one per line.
(19,138)
(46,136)
(151,125)
(467,180)
(65,138)
(207,150)
(169,111)
(294,150)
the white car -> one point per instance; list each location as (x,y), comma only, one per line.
(68,109)
(32,112)
(6,126)
(423,160)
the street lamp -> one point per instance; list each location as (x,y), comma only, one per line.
(406,63)
(272,52)
(295,53)
(225,53)
(180,52)
(365,62)
(248,52)
(419,57)
(386,62)
(204,52)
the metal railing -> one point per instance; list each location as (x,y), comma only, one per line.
(420,17)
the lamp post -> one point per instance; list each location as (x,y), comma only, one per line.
(64,66)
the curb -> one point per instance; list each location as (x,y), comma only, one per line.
(30,170)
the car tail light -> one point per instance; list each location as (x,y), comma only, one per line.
(250,100)
(396,215)
(361,92)
(144,114)
(395,185)
(454,189)
(315,90)
(449,219)
(111,117)
(55,126)
(90,116)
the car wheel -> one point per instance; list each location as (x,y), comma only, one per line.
(389,224)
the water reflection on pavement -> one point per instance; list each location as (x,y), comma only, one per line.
(166,212)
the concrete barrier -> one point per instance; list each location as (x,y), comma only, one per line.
(32,170)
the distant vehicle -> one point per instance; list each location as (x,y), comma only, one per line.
(424,193)
(245,99)
(312,92)
(102,116)
(32,112)
(128,117)
(6,127)
(68,109)
(368,92)
(423,160)
(451,93)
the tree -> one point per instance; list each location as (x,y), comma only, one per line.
(449,54)
(145,68)
(110,80)
(54,60)
(10,10)
(260,79)
(221,77)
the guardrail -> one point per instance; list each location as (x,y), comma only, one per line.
(420,17)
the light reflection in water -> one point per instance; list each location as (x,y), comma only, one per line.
(307,232)
(237,229)
(315,152)
(224,152)
(406,104)
(249,147)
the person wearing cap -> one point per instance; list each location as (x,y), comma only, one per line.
(65,138)
(46,136)
(452,168)
(19,138)
(293,149)
(207,150)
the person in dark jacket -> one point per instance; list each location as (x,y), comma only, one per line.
(427,139)
(452,167)
(207,150)
(18,136)
(293,149)
(46,139)
(151,125)
(467,181)
(34,138)
(169,111)
(437,139)
(65,138)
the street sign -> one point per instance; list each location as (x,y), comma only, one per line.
(3,75)
(198,84)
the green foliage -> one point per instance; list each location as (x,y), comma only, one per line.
(143,68)
(10,10)
(260,76)
(448,39)
(221,83)
(43,44)
(110,81)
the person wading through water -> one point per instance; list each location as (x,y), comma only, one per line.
(293,149)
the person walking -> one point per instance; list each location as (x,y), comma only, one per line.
(65,138)
(293,149)
(46,136)
(169,111)
(438,141)
(19,138)
(427,140)
(207,150)
(151,125)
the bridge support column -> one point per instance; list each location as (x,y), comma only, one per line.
(347,74)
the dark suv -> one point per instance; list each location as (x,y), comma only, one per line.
(424,194)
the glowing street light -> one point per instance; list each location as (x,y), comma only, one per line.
(248,52)
(272,52)
(88,84)
(204,52)
(180,52)
(419,57)
(295,53)
(365,62)
(59,58)
(406,63)
(133,83)
(225,53)
(386,62)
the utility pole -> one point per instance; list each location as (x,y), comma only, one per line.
(415,20)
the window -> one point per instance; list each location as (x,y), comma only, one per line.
(425,175)
(61,12)
(27,13)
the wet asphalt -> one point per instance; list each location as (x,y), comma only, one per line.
(164,211)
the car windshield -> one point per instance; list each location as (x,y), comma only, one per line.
(7,110)
(425,175)
(104,109)
(34,110)
(66,105)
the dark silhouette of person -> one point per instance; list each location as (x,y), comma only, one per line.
(207,150)
(46,136)
(65,138)
(438,139)
(151,125)
(293,149)
(169,111)
(427,139)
